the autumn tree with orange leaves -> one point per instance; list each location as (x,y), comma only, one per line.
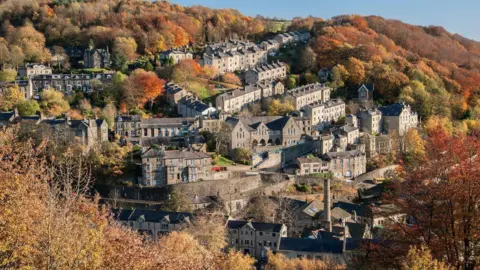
(142,87)
(440,194)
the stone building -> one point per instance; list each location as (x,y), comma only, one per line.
(151,222)
(292,37)
(365,92)
(398,117)
(274,71)
(168,127)
(270,45)
(31,70)
(348,164)
(69,82)
(128,128)
(176,55)
(96,58)
(312,165)
(174,93)
(308,94)
(249,132)
(161,168)
(323,113)
(234,55)
(255,238)
(189,106)
(237,99)
(370,121)
(380,144)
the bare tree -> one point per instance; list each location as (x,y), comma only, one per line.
(223,138)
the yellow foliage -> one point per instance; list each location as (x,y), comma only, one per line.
(280,108)
(421,259)
(10,97)
(435,121)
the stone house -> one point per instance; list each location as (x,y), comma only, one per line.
(249,132)
(351,133)
(128,127)
(209,124)
(234,55)
(308,94)
(327,142)
(399,118)
(189,106)
(176,55)
(381,144)
(161,168)
(270,45)
(255,238)
(69,82)
(237,99)
(307,166)
(96,58)
(151,222)
(347,164)
(292,37)
(323,113)
(31,70)
(365,92)
(331,249)
(274,71)
(86,132)
(174,93)
(168,127)
(370,121)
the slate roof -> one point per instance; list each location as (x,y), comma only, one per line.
(339,213)
(306,89)
(160,153)
(151,215)
(272,122)
(393,110)
(356,230)
(128,118)
(267,67)
(6,116)
(258,226)
(370,87)
(100,76)
(177,121)
(345,154)
(360,210)
(315,245)
(314,208)
(308,160)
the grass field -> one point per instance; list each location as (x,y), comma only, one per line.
(223,161)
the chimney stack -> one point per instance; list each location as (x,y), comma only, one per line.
(327,218)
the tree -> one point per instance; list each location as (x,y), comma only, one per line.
(53,102)
(177,202)
(421,258)
(7,75)
(441,195)
(306,60)
(310,78)
(210,72)
(281,262)
(339,76)
(355,70)
(16,56)
(30,41)
(4,52)
(277,108)
(242,155)
(126,46)
(108,114)
(185,71)
(108,160)
(28,107)
(222,138)
(142,87)
(291,82)
(119,62)
(209,230)
(231,78)
(10,97)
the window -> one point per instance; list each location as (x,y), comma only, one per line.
(261,233)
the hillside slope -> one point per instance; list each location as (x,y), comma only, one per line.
(435,71)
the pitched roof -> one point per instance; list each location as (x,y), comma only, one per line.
(370,87)
(153,152)
(339,213)
(151,215)
(258,226)
(309,160)
(356,230)
(314,208)
(315,245)
(393,110)
(6,116)
(345,154)
(307,89)
(128,118)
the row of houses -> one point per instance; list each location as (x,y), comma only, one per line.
(284,39)
(234,55)
(186,103)
(86,132)
(237,99)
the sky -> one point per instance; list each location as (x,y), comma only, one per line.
(456,16)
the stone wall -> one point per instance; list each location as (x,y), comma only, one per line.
(221,187)
(378,173)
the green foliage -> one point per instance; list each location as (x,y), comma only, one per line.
(7,75)
(28,107)
(306,188)
(177,202)
(242,155)
(119,62)
(291,82)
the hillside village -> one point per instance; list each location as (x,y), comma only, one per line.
(317,142)
(292,160)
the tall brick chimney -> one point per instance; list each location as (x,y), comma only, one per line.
(327,217)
